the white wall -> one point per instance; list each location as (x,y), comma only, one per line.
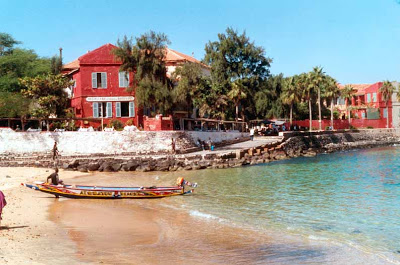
(70,143)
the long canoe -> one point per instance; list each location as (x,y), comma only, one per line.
(101,192)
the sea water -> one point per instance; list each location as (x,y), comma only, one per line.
(350,199)
(341,208)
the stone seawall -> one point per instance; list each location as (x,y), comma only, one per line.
(295,145)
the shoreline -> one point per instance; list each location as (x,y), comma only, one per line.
(152,231)
(292,144)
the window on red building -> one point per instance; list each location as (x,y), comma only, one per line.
(99,80)
(125,109)
(102,109)
(368,98)
(374,97)
(123,78)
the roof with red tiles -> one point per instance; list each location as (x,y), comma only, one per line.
(103,55)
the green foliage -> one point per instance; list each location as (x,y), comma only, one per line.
(145,58)
(117,124)
(268,102)
(56,65)
(387,90)
(238,70)
(189,81)
(336,115)
(48,93)
(7,43)
(370,127)
(20,63)
(13,105)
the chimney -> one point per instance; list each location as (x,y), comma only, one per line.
(60,53)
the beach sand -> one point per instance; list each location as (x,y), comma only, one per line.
(39,229)
(27,236)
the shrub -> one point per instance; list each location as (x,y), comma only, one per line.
(336,115)
(129,122)
(370,127)
(117,124)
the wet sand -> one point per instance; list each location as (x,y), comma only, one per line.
(39,229)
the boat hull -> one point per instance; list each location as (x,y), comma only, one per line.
(94,192)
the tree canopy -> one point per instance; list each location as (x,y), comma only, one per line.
(238,68)
(48,93)
(145,58)
(7,43)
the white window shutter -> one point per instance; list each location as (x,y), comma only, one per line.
(109,109)
(118,109)
(95,110)
(120,79)
(132,109)
(104,80)
(94,80)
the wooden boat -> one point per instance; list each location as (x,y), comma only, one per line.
(98,192)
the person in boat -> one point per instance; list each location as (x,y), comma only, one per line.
(2,202)
(55,180)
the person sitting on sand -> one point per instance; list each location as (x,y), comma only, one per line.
(54,178)
(2,202)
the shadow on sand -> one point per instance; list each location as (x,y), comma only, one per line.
(12,227)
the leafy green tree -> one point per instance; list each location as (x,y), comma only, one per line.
(20,63)
(13,105)
(56,65)
(48,93)
(347,93)
(268,102)
(387,90)
(332,92)
(7,43)
(290,94)
(238,67)
(145,58)
(189,80)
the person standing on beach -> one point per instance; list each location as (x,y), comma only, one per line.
(2,203)
(55,151)
(173,145)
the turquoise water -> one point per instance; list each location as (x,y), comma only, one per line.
(352,198)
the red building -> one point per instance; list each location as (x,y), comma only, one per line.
(367,106)
(100,87)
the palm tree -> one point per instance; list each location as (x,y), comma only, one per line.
(236,94)
(347,93)
(331,93)
(290,94)
(387,90)
(307,92)
(317,78)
